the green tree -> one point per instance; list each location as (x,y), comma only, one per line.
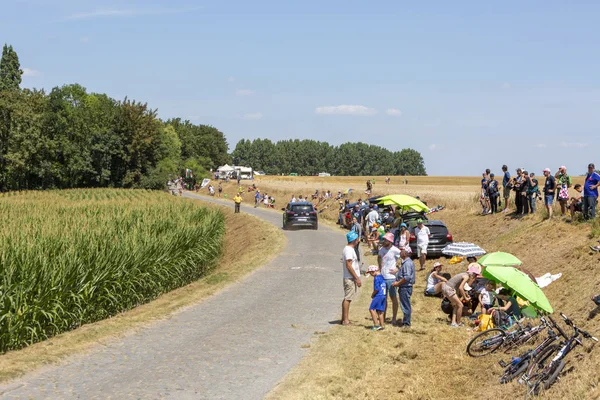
(10,69)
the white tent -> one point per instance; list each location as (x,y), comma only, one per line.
(225,168)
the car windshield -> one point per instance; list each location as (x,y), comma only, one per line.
(302,208)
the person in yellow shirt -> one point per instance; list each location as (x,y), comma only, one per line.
(237,200)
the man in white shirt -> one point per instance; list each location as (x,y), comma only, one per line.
(351,270)
(422,233)
(372,216)
(387,260)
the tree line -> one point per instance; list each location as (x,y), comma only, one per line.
(70,138)
(309,157)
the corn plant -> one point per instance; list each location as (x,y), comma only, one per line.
(68,258)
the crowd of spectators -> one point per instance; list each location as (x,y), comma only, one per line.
(523,191)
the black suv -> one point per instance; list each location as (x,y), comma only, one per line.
(439,236)
(300,213)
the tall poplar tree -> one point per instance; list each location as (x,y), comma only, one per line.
(10,69)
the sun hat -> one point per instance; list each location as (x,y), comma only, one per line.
(389,237)
(351,236)
(373,268)
(419,221)
(547,170)
(403,225)
(375,207)
(591,165)
(562,167)
(474,268)
(437,264)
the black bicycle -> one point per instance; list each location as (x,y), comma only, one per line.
(548,365)
(517,366)
(487,342)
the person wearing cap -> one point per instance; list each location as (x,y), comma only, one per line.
(405,279)
(378,304)
(563,183)
(435,280)
(454,291)
(422,233)
(549,189)
(484,199)
(387,259)
(506,188)
(590,192)
(351,270)
(403,236)
(372,216)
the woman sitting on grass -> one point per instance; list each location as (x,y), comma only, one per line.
(511,307)
(435,280)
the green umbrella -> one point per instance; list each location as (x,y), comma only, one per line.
(499,259)
(403,201)
(521,284)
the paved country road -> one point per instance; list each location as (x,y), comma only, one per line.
(236,344)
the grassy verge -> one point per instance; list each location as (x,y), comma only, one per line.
(429,361)
(239,259)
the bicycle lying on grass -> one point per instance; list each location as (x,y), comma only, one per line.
(487,342)
(549,363)
(518,365)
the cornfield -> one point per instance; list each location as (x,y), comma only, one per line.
(72,257)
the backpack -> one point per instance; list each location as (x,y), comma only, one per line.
(564,193)
(446,306)
(493,188)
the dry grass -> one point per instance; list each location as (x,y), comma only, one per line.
(240,258)
(429,361)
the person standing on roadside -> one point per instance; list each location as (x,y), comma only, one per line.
(357,228)
(351,275)
(525,185)
(256,198)
(422,233)
(563,183)
(493,193)
(237,199)
(549,189)
(372,216)
(590,192)
(517,188)
(405,279)
(387,260)
(533,192)
(505,188)
(220,189)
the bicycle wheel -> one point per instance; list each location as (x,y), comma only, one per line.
(514,373)
(550,377)
(486,342)
(540,361)
(524,337)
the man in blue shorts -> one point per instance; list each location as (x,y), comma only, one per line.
(549,189)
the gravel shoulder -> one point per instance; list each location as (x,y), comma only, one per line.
(236,344)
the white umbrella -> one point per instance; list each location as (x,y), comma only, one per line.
(463,249)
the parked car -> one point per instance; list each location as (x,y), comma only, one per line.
(439,236)
(324,174)
(300,213)
(259,173)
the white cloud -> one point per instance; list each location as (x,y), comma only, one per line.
(243,92)
(84,39)
(541,145)
(28,72)
(125,12)
(393,112)
(432,146)
(253,116)
(577,145)
(345,110)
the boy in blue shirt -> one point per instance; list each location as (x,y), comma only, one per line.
(379,298)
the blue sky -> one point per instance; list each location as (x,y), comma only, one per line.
(468,84)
